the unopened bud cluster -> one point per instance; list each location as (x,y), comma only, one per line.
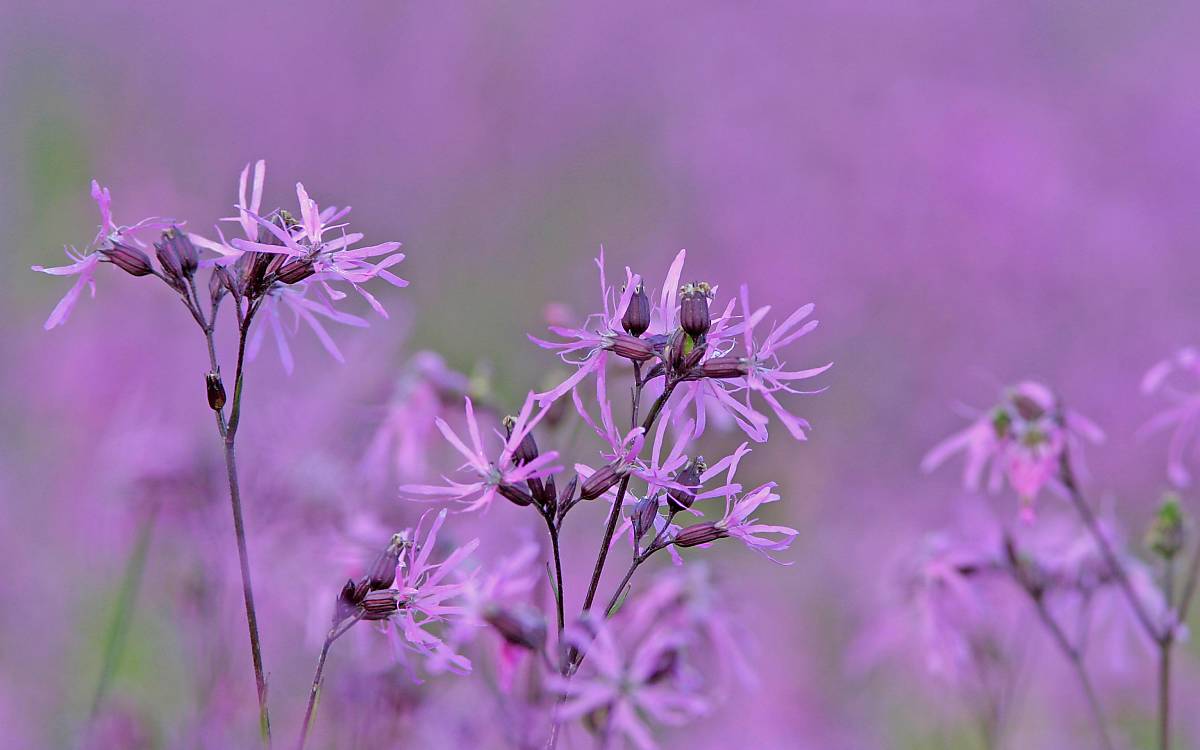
(372,596)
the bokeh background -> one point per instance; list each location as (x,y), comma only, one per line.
(971,193)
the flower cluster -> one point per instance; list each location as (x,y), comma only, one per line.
(689,361)
(1083,585)
(284,264)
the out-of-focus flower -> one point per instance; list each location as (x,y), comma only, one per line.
(1021,440)
(503,475)
(620,687)
(402,441)
(113,243)
(1176,381)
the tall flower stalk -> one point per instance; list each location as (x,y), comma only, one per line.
(1030,442)
(284,263)
(679,352)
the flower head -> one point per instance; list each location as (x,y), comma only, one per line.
(120,245)
(622,686)
(504,475)
(1021,440)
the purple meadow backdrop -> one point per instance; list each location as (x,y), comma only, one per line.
(974,196)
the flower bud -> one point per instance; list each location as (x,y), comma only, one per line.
(220,281)
(701,533)
(544,492)
(566,498)
(600,482)
(379,605)
(527,449)
(723,367)
(128,259)
(362,588)
(675,351)
(383,571)
(1166,535)
(688,476)
(636,319)
(644,513)
(1029,409)
(515,494)
(177,256)
(345,602)
(216,390)
(294,271)
(693,309)
(630,347)
(168,258)
(522,626)
(189,257)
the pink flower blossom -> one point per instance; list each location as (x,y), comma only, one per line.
(586,347)
(626,686)
(490,475)
(1021,440)
(759,537)
(83,264)
(429,594)
(765,369)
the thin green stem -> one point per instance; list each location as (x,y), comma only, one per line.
(1106,551)
(615,514)
(337,631)
(1069,651)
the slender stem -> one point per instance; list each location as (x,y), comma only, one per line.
(337,631)
(558,575)
(1076,660)
(228,433)
(1164,660)
(1106,550)
(1072,654)
(638,559)
(239,530)
(131,581)
(1189,586)
(612,603)
(615,513)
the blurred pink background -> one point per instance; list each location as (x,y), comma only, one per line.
(971,193)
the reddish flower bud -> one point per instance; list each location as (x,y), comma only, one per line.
(383,571)
(345,602)
(216,390)
(294,271)
(688,476)
(361,588)
(524,627)
(515,494)
(636,319)
(600,482)
(379,605)
(644,513)
(701,533)
(693,309)
(630,347)
(128,259)
(527,449)
(723,367)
